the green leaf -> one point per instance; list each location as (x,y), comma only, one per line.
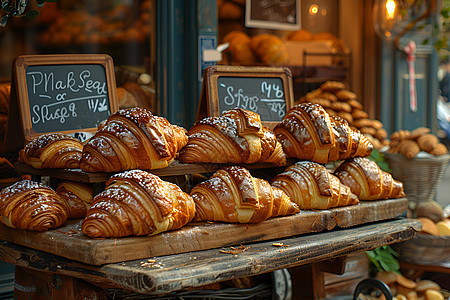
(445,12)
(32,14)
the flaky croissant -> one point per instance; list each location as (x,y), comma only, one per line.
(133,139)
(78,197)
(52,150)
(31,205)
(312,186)
(367,181)
(233,195)
(137,203)
(308,132)
(236,137)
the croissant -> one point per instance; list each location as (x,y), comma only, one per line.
(137,203)
(312,186)
(78,197)
(133,139)
(233,195)
(31,205)
(308,132)
(236,137)
(52,150)
(367,181)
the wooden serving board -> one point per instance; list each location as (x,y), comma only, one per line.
(69,242)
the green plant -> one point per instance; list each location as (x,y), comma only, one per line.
(383,258)
(16,8)
(378,158)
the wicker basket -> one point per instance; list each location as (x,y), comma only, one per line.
(425,249)
(420,176)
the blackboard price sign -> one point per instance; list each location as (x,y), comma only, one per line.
(264,90)
(64,93)
(273,14)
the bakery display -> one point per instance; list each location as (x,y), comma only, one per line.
(233,195)
(308,132)
(367,181)
(410,143)
(312,186)
(31,205)
(137,203)
(5,91)
(52,150)
(78,197)
(235,137)
(133,139)
(269,48)
(239,47)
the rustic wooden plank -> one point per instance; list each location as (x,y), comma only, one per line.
(176,272)
(68,241)
(175,168)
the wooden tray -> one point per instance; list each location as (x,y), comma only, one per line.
(69,242)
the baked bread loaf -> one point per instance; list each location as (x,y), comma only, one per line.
(52,150)
(31,205)
(233,195)
(137,203)
(236,137)
(367,181)
(308,132)
(78,197)
(133,139)
(312,186)
(269,48)
(239,47)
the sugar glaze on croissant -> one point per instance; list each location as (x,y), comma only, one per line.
(367,180)
(312,186)
(31,205)
(52,150)
(133,139)
(235,137)
(233,195)
(137,203)
(308,132)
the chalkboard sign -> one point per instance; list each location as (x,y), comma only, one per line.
(273,14)
(72,94)
(264,90)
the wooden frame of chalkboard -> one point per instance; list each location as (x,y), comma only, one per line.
(48,89)
(281,14)
(265,90)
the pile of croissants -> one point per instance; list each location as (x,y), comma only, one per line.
(132,142)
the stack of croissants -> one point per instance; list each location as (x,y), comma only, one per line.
(135,202)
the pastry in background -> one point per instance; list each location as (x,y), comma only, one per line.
(31,205)
(137,203)
(239,47)
(52,150)
(269,48)
(141,95)
(300,35)
(125,98)
(233,195)
(78,197)
(410,143)
(312,186)
(133,139)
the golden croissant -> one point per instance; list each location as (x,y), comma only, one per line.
(137,203)
(78,197)
(133,139)
(308,132)
(312,186)
(52,150)
(32,205)
(236,137)
(367,180)
(233,195)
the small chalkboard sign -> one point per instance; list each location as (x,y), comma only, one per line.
(273,14)
(265,90)
(71,94)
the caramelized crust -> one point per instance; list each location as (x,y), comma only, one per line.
(367,180)
(233,195)
(133,139)
(137,203)
(308,132)
(52,150)
(311,186)
(78,197)
(31,205)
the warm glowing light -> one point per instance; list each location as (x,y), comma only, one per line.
(313,9)
(324,12)
(390,9)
